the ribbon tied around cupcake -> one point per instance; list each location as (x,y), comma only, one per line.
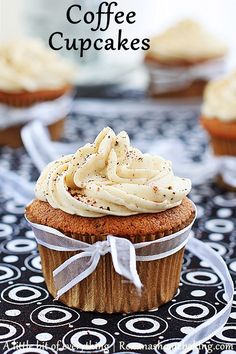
(124,254)
(109,177)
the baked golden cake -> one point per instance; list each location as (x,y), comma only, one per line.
(182,59)
(30,74)
(111,188)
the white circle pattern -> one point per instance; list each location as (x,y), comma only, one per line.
(54,316)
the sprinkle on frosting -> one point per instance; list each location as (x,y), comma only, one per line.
(110,177)
(27,65)
(220,99)
(187,40)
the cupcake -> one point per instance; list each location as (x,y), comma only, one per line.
(183,59)
(218,117)
(30,74)
(110,188)
(219,114)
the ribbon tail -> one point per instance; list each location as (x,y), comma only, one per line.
(124,259)
(74,270)
(211,326)
(16,186)
(37,143)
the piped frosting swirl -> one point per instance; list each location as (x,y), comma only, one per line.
(186,40)
(27,65)
(110,177)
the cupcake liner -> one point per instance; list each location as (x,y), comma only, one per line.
(195,89)
(104,290)
(26,99)
(56,129)
(11,136)
(222,135)
(186,80)
(50,114)
(223,146)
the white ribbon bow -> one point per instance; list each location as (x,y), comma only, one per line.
(86,262)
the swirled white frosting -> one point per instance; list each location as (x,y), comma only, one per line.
(27,65)
(109,177)
(187,40)
(220,99)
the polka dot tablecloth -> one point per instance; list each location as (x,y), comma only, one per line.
(31,322)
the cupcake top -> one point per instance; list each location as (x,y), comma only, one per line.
(220,99)
(187,40)
(110,177)
(27,65)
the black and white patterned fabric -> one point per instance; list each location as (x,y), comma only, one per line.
(31,322)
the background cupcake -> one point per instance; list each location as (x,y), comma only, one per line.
(219,117)
(219,114)
(182,59)
(111,188)
(30,74)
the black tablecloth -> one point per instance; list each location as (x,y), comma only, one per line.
(30,318)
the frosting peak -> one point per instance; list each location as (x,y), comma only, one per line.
(109,177)
(187,40)
(27,65)
(220,99)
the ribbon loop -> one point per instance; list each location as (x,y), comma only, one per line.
(124,259)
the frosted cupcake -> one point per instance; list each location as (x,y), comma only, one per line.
(30,74)
(111,188)
(183,59)
(219,115)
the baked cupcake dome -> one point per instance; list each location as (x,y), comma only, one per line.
(77,195)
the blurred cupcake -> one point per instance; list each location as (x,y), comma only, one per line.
(219,119)
(111,188)
(219,114)
(183,59)
(30,74)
